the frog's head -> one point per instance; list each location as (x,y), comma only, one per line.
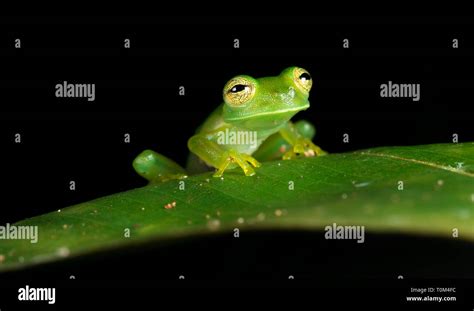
(266,102)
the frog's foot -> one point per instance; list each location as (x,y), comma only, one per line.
(303,147)
(157,168)
(245,161)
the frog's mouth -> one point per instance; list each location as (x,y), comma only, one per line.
(271,114)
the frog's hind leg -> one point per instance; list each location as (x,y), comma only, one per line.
(155,167)
(275,146)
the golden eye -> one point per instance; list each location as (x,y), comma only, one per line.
(303,79)
(238,91)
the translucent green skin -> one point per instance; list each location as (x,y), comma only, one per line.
(266,117)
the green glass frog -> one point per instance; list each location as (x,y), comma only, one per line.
(251,126)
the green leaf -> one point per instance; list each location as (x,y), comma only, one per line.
(358,188)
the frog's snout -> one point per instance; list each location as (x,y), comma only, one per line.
(291,92)
(288,97)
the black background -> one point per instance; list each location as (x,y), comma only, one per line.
(137,93)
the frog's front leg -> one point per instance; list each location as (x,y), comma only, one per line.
(275,146)
(300,145)
(219,157)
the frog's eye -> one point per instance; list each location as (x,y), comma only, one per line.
(238,91)
(302,79)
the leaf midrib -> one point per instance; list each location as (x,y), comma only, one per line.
(421,162)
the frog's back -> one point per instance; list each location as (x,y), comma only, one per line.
(194,164)
(214,121)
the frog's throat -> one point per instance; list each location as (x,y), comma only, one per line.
(269,113)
